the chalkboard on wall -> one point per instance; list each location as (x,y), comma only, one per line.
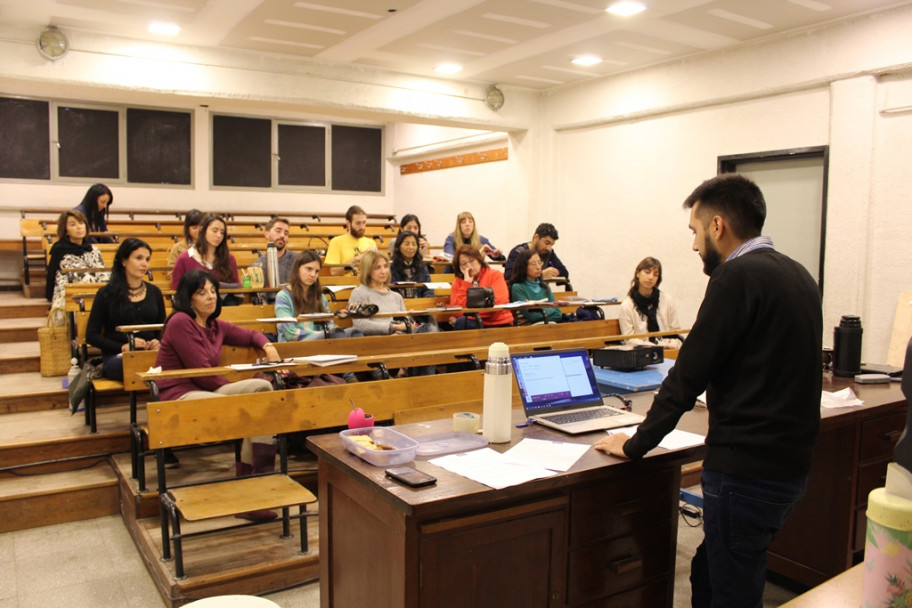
(241,152)
(158,147)
(89,143)
(302,155)
(24,139)
(356,158)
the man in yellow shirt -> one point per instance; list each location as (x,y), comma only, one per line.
(349,247)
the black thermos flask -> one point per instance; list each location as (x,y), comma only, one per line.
(847,346)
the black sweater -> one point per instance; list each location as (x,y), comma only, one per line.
(756,350)
(106,316)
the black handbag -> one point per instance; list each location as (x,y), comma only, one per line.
(479,297)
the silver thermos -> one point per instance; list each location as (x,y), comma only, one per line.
(272,265)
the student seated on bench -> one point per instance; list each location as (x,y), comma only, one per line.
(193,338)
(94,206)
(304,295)
(210,252)
(526,284)
(374,274)
(192,222)
(408,266)
(73,249)
(471,271)
(126,300)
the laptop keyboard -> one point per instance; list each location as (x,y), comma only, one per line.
(581,416)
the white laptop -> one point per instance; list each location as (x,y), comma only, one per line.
(558,390)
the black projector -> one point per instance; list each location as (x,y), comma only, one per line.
(627,358)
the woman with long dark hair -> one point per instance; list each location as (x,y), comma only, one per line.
(127,299)
(193,338)
(647,309)
(73,250)
(304,295)
(192,221)
(408,266)
(95,204)
(209,252)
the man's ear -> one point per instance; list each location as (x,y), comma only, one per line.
(718,227)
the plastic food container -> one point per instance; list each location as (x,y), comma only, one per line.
(431,446)
(403,451)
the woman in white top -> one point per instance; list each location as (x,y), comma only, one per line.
(646,309)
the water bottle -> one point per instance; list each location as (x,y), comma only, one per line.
(246,281)
(272,265)
(74,371)
(498,394)
(847,346)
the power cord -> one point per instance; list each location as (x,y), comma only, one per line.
(627,403)
(691,515)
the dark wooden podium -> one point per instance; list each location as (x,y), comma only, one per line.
(826,534)
(603,533)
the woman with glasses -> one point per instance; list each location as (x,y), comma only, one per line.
(471,271)
(526,285)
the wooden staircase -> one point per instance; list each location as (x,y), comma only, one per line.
(53,470)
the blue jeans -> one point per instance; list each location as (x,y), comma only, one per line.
(741,517)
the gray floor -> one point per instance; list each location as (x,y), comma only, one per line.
(94,564)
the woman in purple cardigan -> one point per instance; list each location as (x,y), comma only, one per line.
(193,338)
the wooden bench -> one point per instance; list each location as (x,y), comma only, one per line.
(173,424)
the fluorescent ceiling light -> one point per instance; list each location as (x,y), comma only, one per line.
(587,60)
(626,8)
(448,68)
(164,29)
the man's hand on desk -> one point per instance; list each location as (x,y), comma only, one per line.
(613,444)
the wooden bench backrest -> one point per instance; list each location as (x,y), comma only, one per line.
(374,345)
(177,423)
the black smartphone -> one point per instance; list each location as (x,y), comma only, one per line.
(410,476)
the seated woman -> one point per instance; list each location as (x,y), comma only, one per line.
(467,234)
(71,251)
(193,338)
(302,296)
(126,300)
(209,252)
(374,275)
(94,206)
(408,266)
(526,284)
(471,271)
(410,223)
(192,222)
(647,309)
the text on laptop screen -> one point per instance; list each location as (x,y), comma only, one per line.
(548,379)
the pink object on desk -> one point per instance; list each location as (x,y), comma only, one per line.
(358,419)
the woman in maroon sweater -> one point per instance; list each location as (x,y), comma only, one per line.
(193,338)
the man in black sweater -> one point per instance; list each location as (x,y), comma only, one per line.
(755,348)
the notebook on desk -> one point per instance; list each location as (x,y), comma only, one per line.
(558,390)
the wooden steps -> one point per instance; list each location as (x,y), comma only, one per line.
(20,357)
(22,329)
(33,496)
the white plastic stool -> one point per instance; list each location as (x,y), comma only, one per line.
(233,601)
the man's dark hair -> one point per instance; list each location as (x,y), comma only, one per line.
(275,220)
(353,211)
(735,198)
(544,230)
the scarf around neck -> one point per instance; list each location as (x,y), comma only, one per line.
(648,307)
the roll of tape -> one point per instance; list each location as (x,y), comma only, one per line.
(466,422)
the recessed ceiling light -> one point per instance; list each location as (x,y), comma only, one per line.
(626,8)
(448,68)
(164,29)
(587,60)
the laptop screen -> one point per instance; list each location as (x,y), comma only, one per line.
(550,380)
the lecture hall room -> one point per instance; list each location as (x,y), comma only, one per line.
(812,99)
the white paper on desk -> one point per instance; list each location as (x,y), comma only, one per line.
(844,398)
(553,455)
(490,468)
(438,285)
(278,320)
(335,288)
(675,440)
(244,367)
